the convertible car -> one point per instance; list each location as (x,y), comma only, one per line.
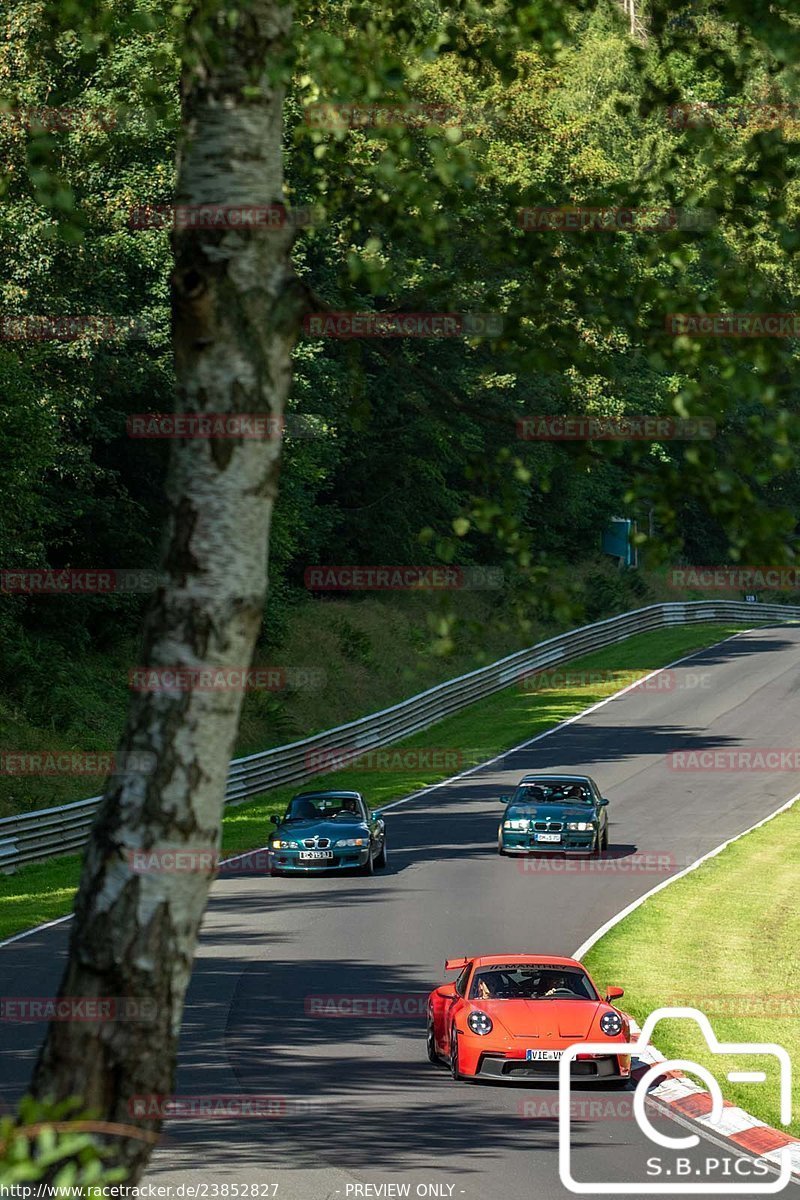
(327,831)
(562,814)
(510,1016)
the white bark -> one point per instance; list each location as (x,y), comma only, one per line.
(236,311)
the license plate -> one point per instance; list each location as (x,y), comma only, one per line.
(543,1055)
(548,837)
(315,855)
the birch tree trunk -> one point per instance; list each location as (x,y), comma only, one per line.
(236,309)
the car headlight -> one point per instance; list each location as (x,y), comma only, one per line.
(514,824)
(479,1022)
(351,842)
(279,845)
(580,826)
(611,1024)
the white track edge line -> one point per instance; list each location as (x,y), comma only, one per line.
(620,916)
(562,724)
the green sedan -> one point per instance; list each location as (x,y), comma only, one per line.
(562,814)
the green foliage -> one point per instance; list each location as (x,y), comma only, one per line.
(417,457)
(55,1142)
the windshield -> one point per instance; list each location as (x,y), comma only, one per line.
(526,982)
(324,808)
(553,791)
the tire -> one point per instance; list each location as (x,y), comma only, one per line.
(430,1041)
(275,873)
(454,1071)
(369,866)
(380,861)
(618,1085)
(604,841)
(597,847)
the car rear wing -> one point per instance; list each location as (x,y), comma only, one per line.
(455,964)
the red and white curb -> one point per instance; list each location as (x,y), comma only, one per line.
(747,1133)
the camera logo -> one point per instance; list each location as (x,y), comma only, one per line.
(638,1049)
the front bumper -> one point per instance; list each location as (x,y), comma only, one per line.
(575,843)
(505,1060)
(504,1068)
(345,858)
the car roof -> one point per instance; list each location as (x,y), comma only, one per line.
(549,959)
(331,791)
(545,775)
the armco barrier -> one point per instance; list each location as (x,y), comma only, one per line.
(52,831)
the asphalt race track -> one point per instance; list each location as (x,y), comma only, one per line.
(359,1104)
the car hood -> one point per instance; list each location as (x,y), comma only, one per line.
(544,1018)
(562,812)
(324,829)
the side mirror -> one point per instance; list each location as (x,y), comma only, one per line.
(377,815)
(505,800)
(447,990)
(275,820)
(614,993)
(603,801)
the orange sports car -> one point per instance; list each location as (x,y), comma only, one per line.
(511,1016)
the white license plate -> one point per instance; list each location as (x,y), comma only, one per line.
(543,1055)
(315,855)
(548,837)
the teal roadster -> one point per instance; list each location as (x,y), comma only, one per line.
(327,831)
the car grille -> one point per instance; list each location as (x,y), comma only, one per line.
(548,826)
(317,843)
(521,1068)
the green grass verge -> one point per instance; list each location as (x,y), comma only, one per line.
(44,891)
(724,939)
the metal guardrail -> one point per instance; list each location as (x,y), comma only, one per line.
(46,833)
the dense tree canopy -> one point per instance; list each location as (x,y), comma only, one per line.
(416,455)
